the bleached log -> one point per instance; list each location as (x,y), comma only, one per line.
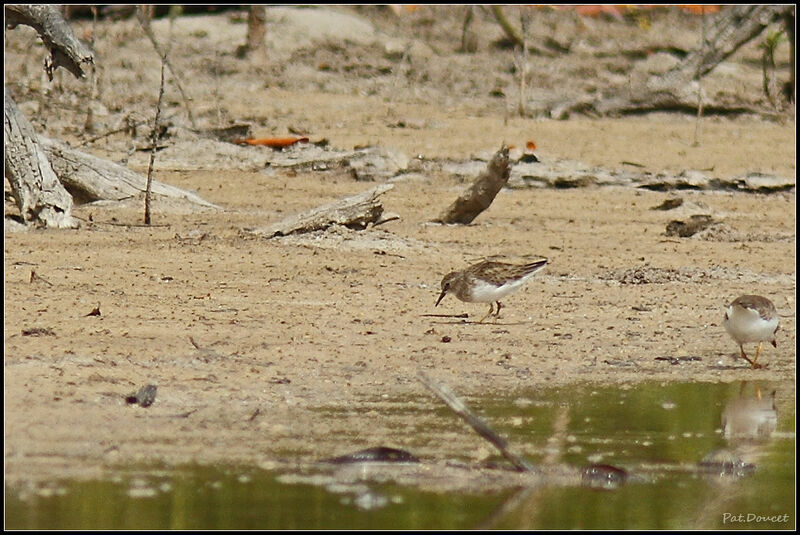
(355,212)
(40,197)
(90,178)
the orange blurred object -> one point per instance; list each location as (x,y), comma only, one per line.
(399,9)
(530,145)
(272,142)
(697,9)
(593,11)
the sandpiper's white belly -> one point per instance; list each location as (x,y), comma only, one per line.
(484,292)
(745,325)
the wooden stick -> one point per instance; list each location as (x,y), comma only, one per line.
(480,427)
(155,136)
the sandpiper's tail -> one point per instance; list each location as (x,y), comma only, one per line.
(533,267)
(527,270)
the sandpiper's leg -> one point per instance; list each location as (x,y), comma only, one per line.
(753,364)
(744,356)
(758,352)
(497,314)
(491,308)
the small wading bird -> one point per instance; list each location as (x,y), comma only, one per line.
(488,282)
(752,318)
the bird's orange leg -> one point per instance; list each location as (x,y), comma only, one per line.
(491,308)
(753,364)
(758,352)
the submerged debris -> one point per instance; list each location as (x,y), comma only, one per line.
(725,463)
(380,454)
(603,476)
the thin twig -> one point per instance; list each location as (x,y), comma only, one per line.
(465,29)
(163,54)
(480,427)
(125,128)
(155,137)
(523,60)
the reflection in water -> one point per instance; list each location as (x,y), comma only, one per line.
(750,418)
(748,421)
(651,436)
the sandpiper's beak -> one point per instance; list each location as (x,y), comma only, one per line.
(444,292)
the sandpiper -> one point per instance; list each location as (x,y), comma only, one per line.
(752,318)
(488,282)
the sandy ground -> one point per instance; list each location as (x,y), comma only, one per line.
(286,327)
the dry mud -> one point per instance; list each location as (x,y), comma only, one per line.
(251,340)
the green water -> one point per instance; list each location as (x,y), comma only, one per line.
(216,498)
(660,431)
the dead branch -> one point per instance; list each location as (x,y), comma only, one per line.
(355,212)
(732,28)
(677,88)
(514,35)
(482,192)
(41,198)
(65,49)
(480,427)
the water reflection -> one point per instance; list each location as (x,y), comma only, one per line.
(606,457)
(750,417)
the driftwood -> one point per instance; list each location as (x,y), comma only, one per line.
(695,224)
(65,49)
(89,178)
(677,89)
(355,212)
(43,172)
(482,192)
(41,199)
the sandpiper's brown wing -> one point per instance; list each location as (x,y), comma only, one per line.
(498,273)
(764,307)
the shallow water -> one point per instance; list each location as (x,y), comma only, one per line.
(656,434)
